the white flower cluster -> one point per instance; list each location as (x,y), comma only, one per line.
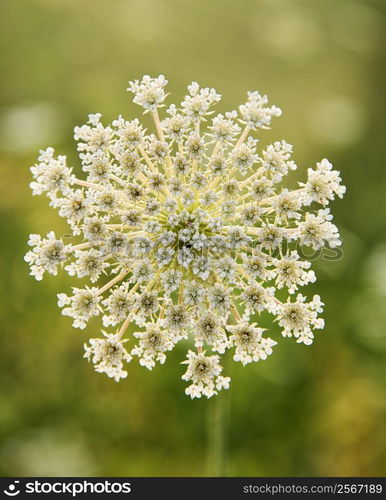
(108,355)
(189,233)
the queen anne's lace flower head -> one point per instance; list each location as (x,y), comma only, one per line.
(188,232)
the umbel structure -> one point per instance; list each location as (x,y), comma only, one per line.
(185,233)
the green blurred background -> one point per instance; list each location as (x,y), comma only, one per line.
(316,410)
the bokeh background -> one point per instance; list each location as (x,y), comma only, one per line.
(317,410)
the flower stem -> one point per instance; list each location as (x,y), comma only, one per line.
(243,136)
(218,425)
(124,327)
(158,125)
(79,182)
(112,282)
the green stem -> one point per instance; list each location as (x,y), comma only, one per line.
(218,422)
